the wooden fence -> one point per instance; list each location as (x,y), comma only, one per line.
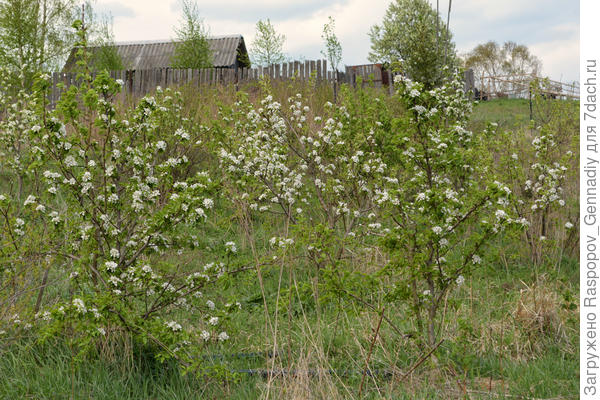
(372,74)
(518,86)
(137,83)
(140,82)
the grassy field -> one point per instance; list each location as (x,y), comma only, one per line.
(509,331)
(509,114)
(499,341)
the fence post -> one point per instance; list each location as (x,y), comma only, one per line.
(319,70)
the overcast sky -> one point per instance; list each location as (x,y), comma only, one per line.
(550,28)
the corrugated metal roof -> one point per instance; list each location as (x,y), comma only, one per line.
(158,54)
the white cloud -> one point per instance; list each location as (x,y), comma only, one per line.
(489,9)
(153,20)
(560,58)
(303,34)
(352,22)
(114,8)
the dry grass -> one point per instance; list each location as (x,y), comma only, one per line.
(537,312)
(531,317)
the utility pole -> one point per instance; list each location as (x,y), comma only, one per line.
(447,33)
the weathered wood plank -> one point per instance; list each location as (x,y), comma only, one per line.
(319,70)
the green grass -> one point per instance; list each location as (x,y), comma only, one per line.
(29,370)
(48,372)
(509,114)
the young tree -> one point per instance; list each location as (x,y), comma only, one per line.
(267,47)
(35,35)
(414,34)
(333,48)
(512,58)
(446,205)
(192,49)
(106,56)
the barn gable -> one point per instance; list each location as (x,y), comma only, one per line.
(228,52)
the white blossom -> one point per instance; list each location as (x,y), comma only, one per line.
(111,266)
(30,200)
(231,247)
(114,280)
(200,212)
(174,326)
(568,225)
(79,305)
(70,161)
(161,145)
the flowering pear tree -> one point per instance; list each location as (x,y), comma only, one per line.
(444,206)
(117,197)
(544,188)
(317,175)
(542,192)
(537,168)
(21,244)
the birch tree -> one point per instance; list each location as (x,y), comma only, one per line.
(267,47)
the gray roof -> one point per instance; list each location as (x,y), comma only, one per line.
(158,54)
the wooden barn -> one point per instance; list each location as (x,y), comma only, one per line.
(228,51)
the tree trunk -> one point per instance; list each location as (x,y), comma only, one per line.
(432,312)
(38,301)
